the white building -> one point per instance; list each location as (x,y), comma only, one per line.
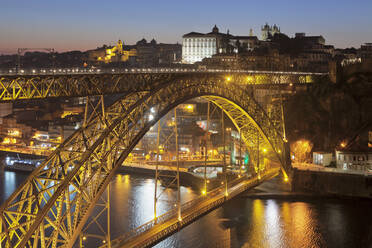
(197,46)
(322,158)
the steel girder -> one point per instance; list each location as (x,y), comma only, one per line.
(44,86)
(51,207)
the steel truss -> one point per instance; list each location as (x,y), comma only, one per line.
(170,178)
(51,208)
(42,86)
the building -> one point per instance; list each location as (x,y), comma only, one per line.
(258,59)
(197,46)
(322,158)
(356,154)
(365,51)
(154,54)
(244,43)
(111,54)
(351,159)
(267,31)
(310,40)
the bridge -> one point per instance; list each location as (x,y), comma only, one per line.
(43,83)
(53,206)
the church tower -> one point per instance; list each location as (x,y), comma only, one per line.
(119,46)
(265,32)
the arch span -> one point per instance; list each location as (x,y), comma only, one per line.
(51,207)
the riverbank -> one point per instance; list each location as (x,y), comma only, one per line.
(277,189)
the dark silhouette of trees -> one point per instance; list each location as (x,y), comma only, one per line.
(327,113)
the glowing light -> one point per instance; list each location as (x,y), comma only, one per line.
(14,132)
(84,238)
(285,179)
(228,79)
(9,140)
(179,218)
(259,177)
(343,144)
(204,192)
(264,150)
(189,107)
(222,182)
(250,79)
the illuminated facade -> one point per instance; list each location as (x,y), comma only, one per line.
(112,54)
(197,46)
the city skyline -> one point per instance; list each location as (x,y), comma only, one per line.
(78,26)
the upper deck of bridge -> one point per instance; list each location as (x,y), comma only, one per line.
(162,70)
(42,83)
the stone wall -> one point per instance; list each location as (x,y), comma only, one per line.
(333,183)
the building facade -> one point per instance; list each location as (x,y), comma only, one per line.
(197,46)
(354,160)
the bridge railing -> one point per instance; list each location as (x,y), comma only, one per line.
(68,71)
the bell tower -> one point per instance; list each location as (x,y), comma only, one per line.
(120,46)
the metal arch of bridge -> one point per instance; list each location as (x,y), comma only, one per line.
(23,87)
(51,207)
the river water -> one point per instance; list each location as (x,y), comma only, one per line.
(242,222)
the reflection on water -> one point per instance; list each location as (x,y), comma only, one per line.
(259,223)
(9,181)
(242,222)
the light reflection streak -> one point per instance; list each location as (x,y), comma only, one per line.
(273,227)
(10,180)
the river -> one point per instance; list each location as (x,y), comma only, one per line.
(242,222)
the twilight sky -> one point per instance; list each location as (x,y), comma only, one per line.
(86,24)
